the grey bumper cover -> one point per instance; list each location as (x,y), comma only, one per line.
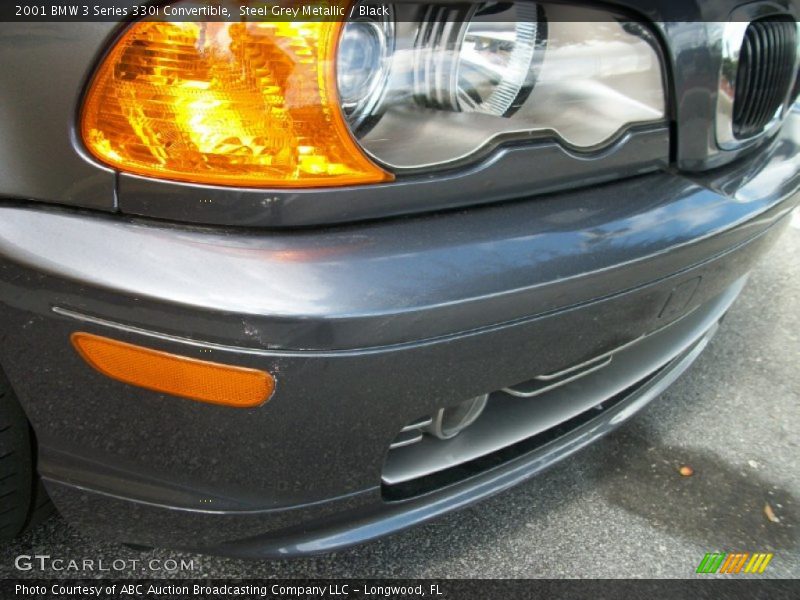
(365,327)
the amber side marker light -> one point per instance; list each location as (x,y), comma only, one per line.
(172,374)
(247,104)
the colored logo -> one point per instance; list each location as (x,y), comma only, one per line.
(734,562)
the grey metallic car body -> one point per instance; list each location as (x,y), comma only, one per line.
(367,324)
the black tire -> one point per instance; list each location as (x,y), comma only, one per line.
(23,500)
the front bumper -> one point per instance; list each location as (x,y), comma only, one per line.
(366,328)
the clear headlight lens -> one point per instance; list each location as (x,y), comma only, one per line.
(461,76)
(363,59)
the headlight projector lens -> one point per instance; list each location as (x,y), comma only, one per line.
(362,66)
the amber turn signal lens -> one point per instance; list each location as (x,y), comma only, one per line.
(233,104)
(177,375)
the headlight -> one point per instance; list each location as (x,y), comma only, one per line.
(464,77)
(265,104)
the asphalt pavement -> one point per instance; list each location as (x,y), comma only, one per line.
(619,508)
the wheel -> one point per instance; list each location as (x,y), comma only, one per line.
(23,499)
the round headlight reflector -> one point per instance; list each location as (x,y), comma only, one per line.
(495,70)
(362,66)
(477,59)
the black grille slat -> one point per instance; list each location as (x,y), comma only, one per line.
(777,89)
(765,74)
(750,104)
(767,99)
(744,83)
